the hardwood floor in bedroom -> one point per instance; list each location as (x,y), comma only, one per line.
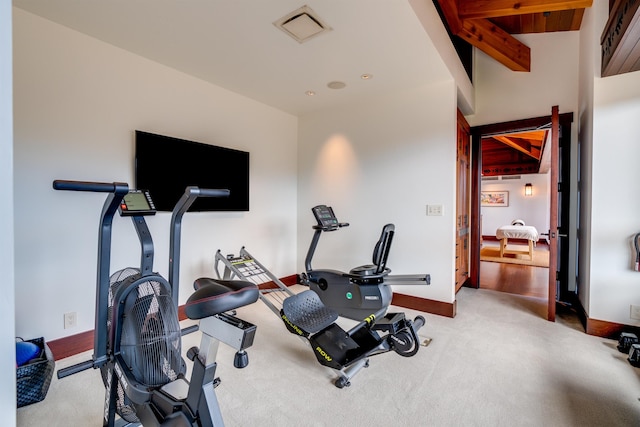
(515,279)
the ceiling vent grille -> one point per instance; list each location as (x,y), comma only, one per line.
(302,24)
(490,178)
(506,177)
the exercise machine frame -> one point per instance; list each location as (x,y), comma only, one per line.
(364,289)
(305,315)
(178,402)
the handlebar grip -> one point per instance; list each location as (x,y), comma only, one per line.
(207,192)
(95,187)
(418,322)
(74,369)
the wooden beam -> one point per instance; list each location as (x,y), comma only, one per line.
(497,43)
(577,19)
(449,10)
(538,135)
(472,9)
(510,143)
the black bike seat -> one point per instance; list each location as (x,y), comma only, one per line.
(217,296)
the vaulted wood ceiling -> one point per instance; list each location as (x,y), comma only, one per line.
(489,25)
(514,154)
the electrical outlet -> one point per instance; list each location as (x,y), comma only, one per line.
(70,320)
(635,312)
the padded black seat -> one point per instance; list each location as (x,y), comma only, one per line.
(378,268)
(217,296)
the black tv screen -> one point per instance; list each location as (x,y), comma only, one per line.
(165,166)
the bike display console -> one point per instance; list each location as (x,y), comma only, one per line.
(327,220)
(137,202)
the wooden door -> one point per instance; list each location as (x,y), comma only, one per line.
(462,201)
(553,213)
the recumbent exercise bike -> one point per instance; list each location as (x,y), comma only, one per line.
(137,336)
(364,289)
(362,294)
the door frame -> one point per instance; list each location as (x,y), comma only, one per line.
(477,133)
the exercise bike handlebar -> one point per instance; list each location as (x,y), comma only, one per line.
(190,195)
(207,192)
(74,369)
(116,190)
(94,187)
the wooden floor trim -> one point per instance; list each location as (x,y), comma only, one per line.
(602,328)
(71,345)
(426,305)
(606,329)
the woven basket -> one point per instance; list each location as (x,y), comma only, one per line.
(33,379)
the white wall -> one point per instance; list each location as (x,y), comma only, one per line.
(503,95)
(615,214)
(77,103)
(533,210)
(7,309)
(433,25)
(589,62)
(378,162)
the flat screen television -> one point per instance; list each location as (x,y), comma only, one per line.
(165,166)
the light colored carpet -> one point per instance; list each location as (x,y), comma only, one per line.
(497,363)
(492,254)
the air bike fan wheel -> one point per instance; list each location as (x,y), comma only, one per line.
(150,343)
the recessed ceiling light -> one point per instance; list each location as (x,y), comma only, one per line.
(366,76)
(336,85)
(310,93)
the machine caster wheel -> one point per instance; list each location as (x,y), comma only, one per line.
(342,382)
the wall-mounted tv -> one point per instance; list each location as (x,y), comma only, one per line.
(166,166)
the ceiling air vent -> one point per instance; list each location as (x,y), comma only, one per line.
(302,24)
(490,178)
(506,177)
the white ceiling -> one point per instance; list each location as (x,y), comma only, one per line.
(233,44)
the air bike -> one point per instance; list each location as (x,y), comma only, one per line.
(137,336)
(363,295)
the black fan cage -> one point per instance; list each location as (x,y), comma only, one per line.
(150,343)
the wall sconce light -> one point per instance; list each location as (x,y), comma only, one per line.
(528,189)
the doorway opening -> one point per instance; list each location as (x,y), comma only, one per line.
(529,278)
(514,211)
